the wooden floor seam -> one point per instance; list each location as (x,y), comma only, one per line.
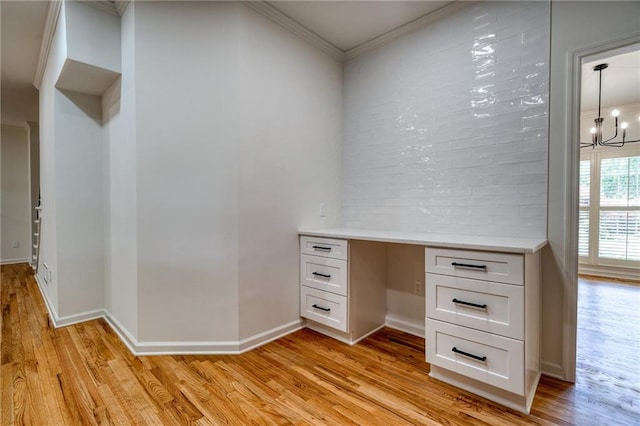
(83,374)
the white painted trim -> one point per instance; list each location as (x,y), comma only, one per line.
(121,6)
(260,339)
(404,29)
(415,329)
(125,336)
(339,335)
(552,370)
(58,321)
(103,5)
(170,348)
(610,271)
(286,22)
(53,12)
(14,261)
(570,308)
(78,318)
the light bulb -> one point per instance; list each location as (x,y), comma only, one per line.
(624,125)
(593,130)
(615,113)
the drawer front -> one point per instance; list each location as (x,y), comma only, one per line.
(325,247)
(324,273)
(454,347)
(487,266)
(483,305)
(323,307)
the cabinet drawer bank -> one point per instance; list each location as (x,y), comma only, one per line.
(482,303)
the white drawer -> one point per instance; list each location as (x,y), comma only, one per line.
(324,273)
(454,348)
(323,307)
(488,266)
(325,247)
(483,305)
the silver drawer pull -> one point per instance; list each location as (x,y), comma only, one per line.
(468,266)
(318,274)
(475,305)
(479,358)
(321,308)
(322,248)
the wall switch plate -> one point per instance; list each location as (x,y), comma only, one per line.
(15,244)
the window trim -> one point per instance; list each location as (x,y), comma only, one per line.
(595,156)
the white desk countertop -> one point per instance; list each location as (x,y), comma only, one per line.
(470,242)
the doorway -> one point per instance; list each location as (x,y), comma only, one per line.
(608,216)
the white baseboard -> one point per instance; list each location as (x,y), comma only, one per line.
(231,347)
(410,327)
(14,261)
(552,370)
(609,271)
(59,321)
(260,339)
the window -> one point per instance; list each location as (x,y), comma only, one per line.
(609,211)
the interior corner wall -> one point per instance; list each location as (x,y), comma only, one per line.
(119,125)
(616,19)
(446,126)
(48,234)
(15,199)
(79,203)
(34,170)
(289,162)
(186,110)
(93,36)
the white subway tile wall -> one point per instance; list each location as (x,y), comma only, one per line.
(446,127)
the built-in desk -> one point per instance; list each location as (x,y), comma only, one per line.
(482,302)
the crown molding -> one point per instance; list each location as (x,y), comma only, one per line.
(285,21)
(53,12)
(404,29)
(103,5)
(121,5)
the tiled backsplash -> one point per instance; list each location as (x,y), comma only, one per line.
(446,127)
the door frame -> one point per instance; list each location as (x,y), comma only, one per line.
(570,326)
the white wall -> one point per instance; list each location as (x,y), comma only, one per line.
(289,161)
(93,36)
(15,202)
(446,127)
(187,157)
(34,172)
(79,203)
(120,224)
(405,306)
(72,237)
(614,21)
(48,234)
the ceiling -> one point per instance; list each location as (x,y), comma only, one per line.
(348,24)
(344,24)
(620,81)
(22,26)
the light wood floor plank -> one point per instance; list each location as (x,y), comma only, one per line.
(83,374)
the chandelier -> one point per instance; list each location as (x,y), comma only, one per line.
(597,134)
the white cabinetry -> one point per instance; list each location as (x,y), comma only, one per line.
(482,325)
(342,286)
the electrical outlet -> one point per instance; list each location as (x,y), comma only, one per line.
(323,210)
(417,288)
(45,273)
(15,244)
(50,275)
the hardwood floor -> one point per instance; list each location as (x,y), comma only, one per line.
(83,374)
